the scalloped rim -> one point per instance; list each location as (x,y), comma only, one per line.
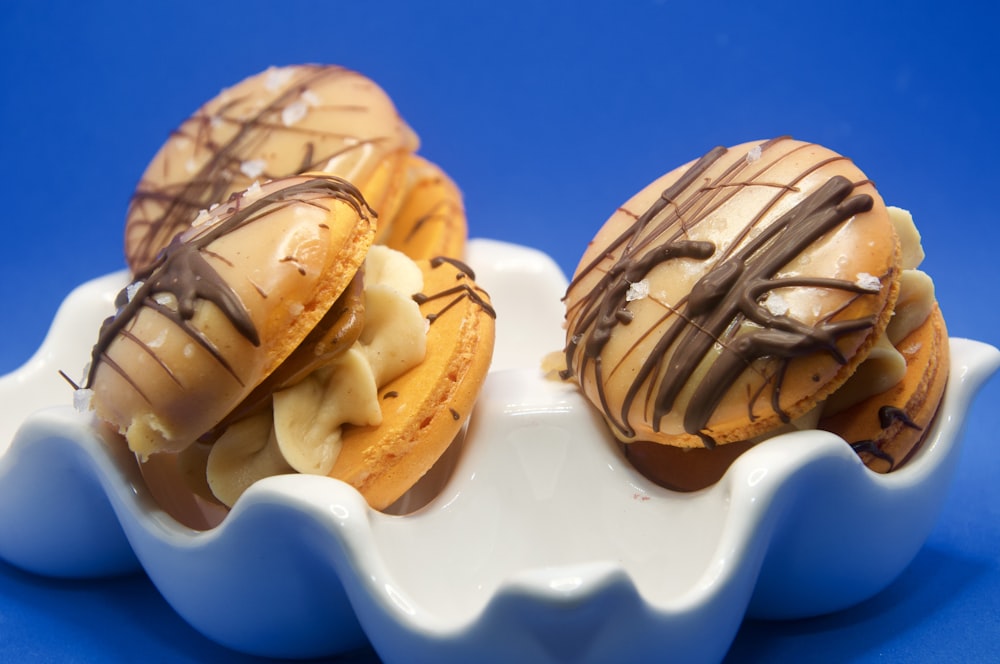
(543,544)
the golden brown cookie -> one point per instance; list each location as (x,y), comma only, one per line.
(252,331)
(224,306)
(886,429)
(280,122)
(683,468)
(287,121)
(425,408)
(431,219)
(732,295)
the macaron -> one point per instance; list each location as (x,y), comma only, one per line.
(224,306)
(425,408)
(286,121)
(273,337)
(733,298)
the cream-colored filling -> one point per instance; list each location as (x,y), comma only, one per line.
(302,432)
(916,299)
(909,237)
(885,366)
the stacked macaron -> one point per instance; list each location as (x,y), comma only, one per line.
(277,321)
(759,288)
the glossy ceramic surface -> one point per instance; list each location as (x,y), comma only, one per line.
(534,541)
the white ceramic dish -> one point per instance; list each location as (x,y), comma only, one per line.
(539,543)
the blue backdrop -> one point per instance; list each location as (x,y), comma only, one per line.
(549,115)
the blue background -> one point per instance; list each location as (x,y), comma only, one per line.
(548,115)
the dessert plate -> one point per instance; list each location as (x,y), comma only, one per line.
(533,540)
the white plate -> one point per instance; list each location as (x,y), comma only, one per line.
(539,544)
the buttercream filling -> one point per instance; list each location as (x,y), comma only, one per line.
(885,365)
(301,432)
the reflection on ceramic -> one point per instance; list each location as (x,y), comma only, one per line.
(535,542)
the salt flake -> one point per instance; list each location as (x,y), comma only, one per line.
(82,399)
(754,154)
(869,282)
(637,290)
(775,304)
(311,98)
(253,168)
(294,112)
(277,78)
(201,219)
(132,289)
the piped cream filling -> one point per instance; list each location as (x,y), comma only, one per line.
(302,432)
(885,366)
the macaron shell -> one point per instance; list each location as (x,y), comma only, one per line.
(424,409)
(683,468)
(907,409)
(284,257)
(728,199)
(431,219)
(279,122)
(177,484)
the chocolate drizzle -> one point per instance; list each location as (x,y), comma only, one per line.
(871,447)
(181,202)
(180,276)
(441,211)
(456,293)
(887,417)
(463,269)
(724,311)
